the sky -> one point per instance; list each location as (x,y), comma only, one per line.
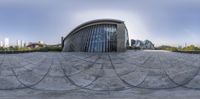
(164,22)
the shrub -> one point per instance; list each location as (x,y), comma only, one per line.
(168,48)
(191,48)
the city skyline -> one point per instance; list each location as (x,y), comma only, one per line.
(6,42)
(162,22)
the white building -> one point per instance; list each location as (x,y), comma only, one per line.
(23,44)
(19,43)
(6,42)
(41,42)
(1,43)
(142,44)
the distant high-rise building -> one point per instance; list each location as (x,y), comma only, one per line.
(23,43)
(41,42)
(6,43)
(19,43)
(1,43)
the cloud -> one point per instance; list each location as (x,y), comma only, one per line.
(134,22)
(161,21)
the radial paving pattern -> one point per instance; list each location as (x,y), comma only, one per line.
(152,70)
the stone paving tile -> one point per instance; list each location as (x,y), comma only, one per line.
(78,72)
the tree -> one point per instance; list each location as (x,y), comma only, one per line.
(191,48)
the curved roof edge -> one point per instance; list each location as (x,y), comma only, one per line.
(94,21)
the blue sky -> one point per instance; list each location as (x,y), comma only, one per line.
(164,22)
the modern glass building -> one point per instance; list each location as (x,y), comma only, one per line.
(105,35)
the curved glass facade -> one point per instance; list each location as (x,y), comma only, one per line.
(95,38)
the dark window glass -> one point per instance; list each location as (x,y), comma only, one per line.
(96,38)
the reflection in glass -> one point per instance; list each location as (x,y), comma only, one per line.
(95,38)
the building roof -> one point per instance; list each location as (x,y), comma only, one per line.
(93,22)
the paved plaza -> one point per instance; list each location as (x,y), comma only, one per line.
(79,75)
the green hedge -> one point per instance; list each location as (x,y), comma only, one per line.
(21,50)
(168,48)
(191,48)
